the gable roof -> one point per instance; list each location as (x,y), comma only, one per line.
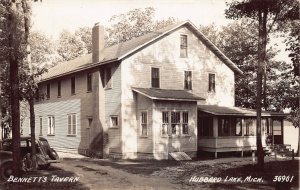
(123,50)
(235,111)
(167,94)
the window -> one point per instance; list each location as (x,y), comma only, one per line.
(58,88)
(188,80)
(51,125)
(89,82)
(107,77)
(224,127)
(183,45)
(72,85)
(175,122)
(165,123)
(114,122)
(90,120)
(41,126)
(48,91)
(185,123)
(205,126)
(238,126)
(250,127)
(72,124)
(211,83)
(155,77)
(144,123)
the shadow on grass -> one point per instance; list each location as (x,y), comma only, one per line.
(273,168)
(144,167)
(53,178)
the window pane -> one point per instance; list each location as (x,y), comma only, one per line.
(144,123)
(69,124)
(89,82)
(74,124)
(114,121)
(48,91)
(183,45)
(59,88)
(73,85)
(175,120)
(188,80)
(41,126)
(165,123)
(155,77)
(211,83)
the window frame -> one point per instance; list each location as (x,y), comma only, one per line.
(48,91)
(41,125)
(211,84)
(89,82)
(183,46)
(152,78)
(71,125)
(73,85)
(141,124)
(186,85)
(165,123)
(111,121)
(59,88)
(183,122)
(107,78)
(51,125)
(177,132)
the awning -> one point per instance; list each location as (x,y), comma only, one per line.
(235,111)
(166,94)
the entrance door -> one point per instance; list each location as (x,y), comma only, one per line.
(278,131)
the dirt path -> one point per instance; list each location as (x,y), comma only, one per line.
(96,177)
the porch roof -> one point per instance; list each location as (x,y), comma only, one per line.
(235,111)
(167,94)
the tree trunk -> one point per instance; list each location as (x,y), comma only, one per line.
(32,131)
(262,41)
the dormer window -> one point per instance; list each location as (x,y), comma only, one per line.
(183,45)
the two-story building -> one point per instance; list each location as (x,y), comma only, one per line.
(167,91)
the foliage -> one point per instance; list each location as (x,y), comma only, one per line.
(133,24)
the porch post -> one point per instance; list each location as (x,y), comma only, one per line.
(215,133)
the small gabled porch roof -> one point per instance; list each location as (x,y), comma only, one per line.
(236,111)
(167,94)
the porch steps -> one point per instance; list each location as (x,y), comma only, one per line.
(283,150)
(179,156)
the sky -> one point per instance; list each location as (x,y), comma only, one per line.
(52,16)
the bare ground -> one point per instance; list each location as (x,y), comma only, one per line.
(97,174)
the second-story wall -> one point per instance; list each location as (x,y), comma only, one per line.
(165,55)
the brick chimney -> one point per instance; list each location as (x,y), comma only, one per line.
(97,42)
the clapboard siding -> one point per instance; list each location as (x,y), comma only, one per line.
(59,110)
(164,54)
(113,107)
(82,103)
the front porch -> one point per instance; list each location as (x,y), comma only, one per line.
(231,129)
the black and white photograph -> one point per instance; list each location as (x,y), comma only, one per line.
(149,94)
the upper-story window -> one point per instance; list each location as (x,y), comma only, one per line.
(107,77)
(154,77)
(188,80)
(211,82)
(89,82)
(48,91)
(73,85)
(58,88)
(183,45)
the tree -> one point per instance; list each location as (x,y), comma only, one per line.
(133,24)
(70,46)
(14,30)
(263,11)
(85,35)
